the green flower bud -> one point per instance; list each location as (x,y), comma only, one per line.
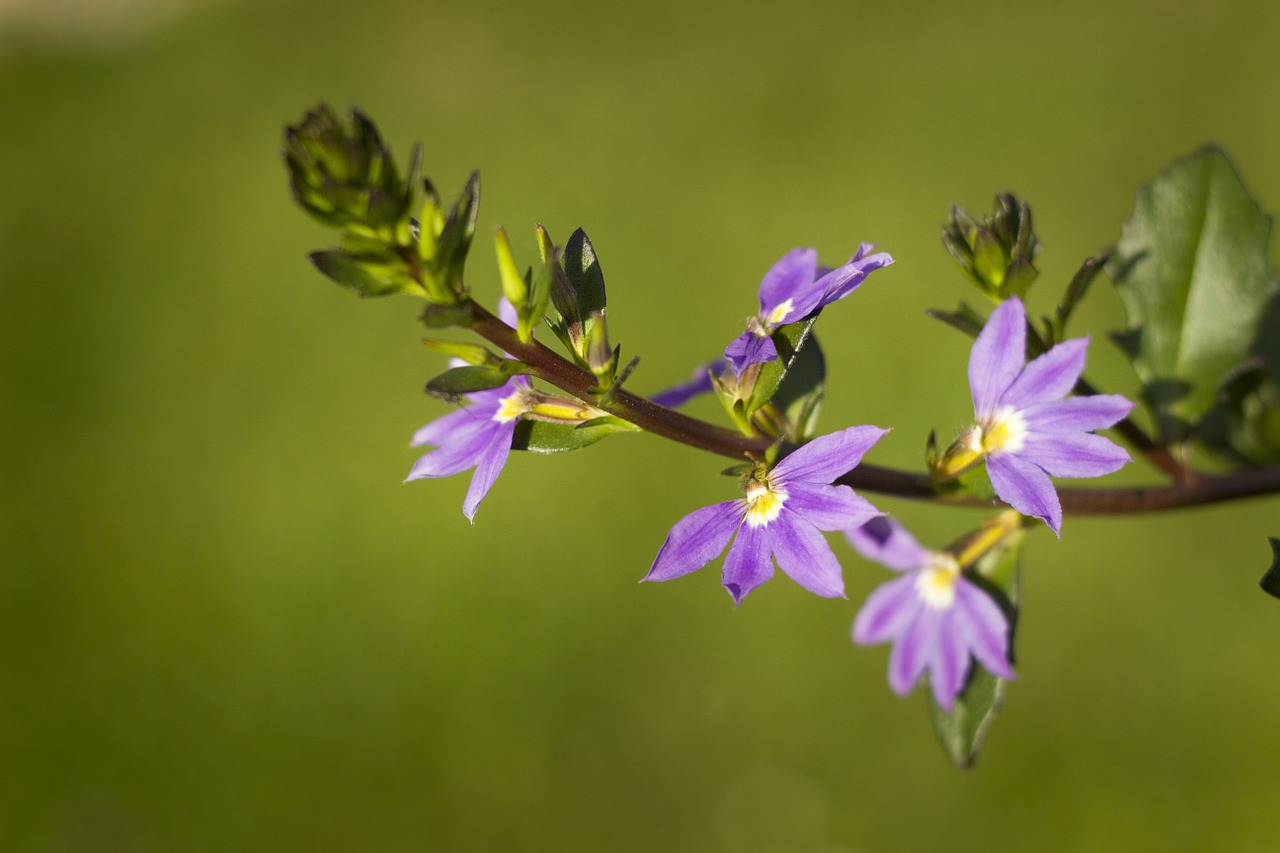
(999,250)
(343,175)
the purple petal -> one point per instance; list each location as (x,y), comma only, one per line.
(1026,488)
(950,663)
(997,356)
(695,540)
(749,562)
(887,542)
(489,467)
(839,283)
(788,279)
(888,611)
(913,650)
(464,449)
(1076,414)
(803,554)
(1074,454)
(507,312)
(1048,377)
(748,349)
(829,507)
(677,395)
(828,456)
(444,430)
(984,627)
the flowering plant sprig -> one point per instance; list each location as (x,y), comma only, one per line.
(1194,277)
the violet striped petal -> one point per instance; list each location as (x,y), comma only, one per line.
(1026,488)
(749,563)
(1076,414)
(888,611)
(788,279)
(888,543)
(984,628)
(997,356)
(490,465)
(911,652)
(748,349)
(828,507)
(1050,376)
(949,664)
(696,540)
(803,554)
(1080,454)
(828,456)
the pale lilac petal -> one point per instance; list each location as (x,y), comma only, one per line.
(749,562)
(696,540)
(507,312)
(950,662)
(464,450)
(1074,454)
(912,650)
(677,395)
(1076,414)
(1026,488)
(490,466)
(1049,377)
(888,611)
(803,554)
(828,456)
(445,429)
(748,349)
(788,279)
(888,543)
(984,627)
(997,356)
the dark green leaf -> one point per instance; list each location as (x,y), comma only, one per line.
(585,277)
(1271,580)
(545,437)
(453,384)
(961,730)
(455,238)
(789,341)
(367,276)
(1076,290)
(799,394)
(964,318)
(1192,271)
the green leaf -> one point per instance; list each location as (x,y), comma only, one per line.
(799,395)
(455,238)
(585,276)
(1191,269)
(545,437)
(789,340)
(964,319)
(367,275)
(1270,582)
(453,384)
(1076,290)
(961,730)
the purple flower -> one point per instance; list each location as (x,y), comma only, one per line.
(477,436)
(1024,428)
(935,618)
(795,287)
(700,383)
(780,517)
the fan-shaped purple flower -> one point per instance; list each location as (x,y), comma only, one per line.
(780,517)
(936,619)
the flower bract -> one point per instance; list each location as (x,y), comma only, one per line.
(1024,427)
(780,516)
(936,619)
(794,288)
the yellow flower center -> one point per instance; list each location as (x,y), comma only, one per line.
(512,406)
(778,314)
(936,584)
(1006,430)
(764,500)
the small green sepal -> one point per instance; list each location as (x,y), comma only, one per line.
(998,251)
(452,385)
(367,274)
(473,354)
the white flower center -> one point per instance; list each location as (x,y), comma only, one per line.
(936,583)
(764,502)
(1005,430)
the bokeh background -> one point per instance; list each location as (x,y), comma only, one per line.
(225,624)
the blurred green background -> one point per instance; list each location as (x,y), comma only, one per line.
(225,624)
